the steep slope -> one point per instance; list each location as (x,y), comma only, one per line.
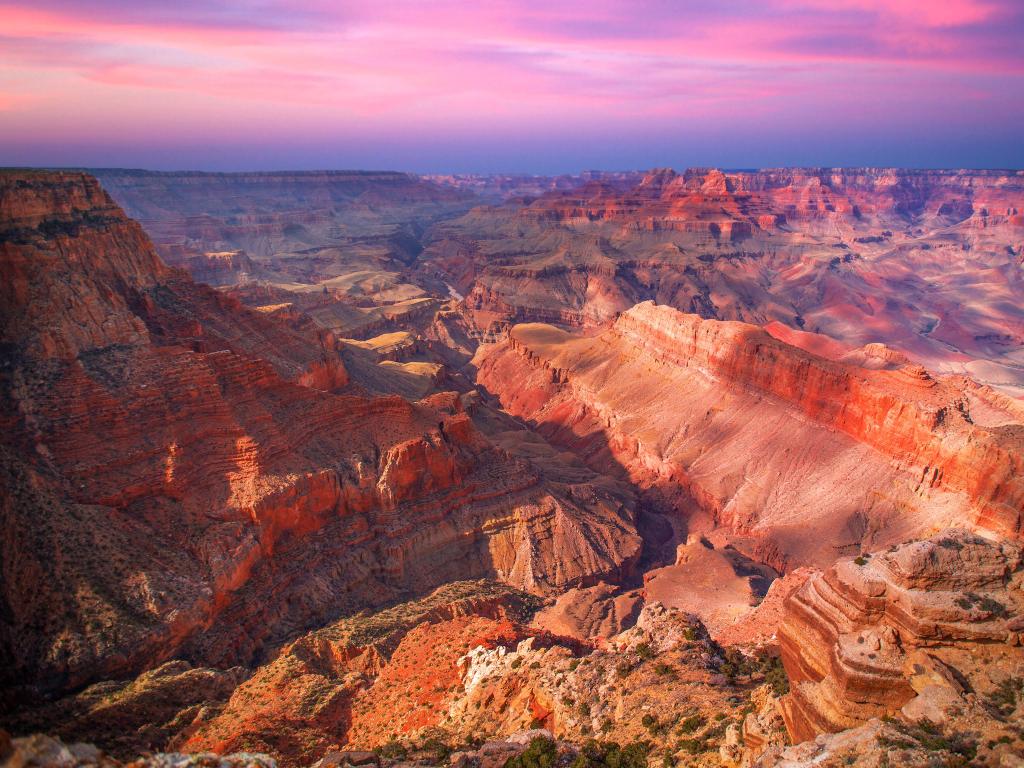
(913,630)
(334,244)
(186,477)
(807,457)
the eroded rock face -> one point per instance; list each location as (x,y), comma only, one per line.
(924,629)
(860,255)
(187,477)
(773,443)
(361,679)
(190,214)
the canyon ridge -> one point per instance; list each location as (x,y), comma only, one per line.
(698,468)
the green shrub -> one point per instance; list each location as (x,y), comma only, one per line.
(1004,698)
(541,753)
(437,748)
(595,754)
(393,750)
(775,675)
(691,724)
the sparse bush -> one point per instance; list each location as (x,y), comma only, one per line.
(775,675)
(595,754)
(1003,700)
(692,746)
(692,723)
(541,753)
(437,748)
(393,750)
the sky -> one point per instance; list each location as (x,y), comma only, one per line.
(526,86)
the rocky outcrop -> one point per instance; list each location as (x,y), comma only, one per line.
(221,268)
(722,419)
(42,751)
(921,630)
(132,716)
(186,477)
(361,678)
(719,585)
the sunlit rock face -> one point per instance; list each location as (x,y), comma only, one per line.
(927,262)
(186,476)
(355,461)
(910,630)
(802,455)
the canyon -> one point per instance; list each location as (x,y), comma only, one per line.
(143,428)
(719,468)
(926,262)
(767,441)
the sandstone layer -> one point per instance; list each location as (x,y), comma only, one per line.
(927,629)
(927,262)
(186,477)
(808,457)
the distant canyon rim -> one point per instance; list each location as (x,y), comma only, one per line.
(727,465)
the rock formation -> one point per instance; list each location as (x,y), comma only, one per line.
(925,629)
(861,255)
(339,510)
(187,477)
(809,457)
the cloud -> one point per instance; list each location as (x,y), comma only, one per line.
(361,66)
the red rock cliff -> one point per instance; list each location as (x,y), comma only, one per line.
(186,477)
(770,440)
(914,629)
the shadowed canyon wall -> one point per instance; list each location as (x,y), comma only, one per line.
(187,476)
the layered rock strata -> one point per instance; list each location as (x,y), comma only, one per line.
(187,477)
(808,456)
(925,630)
(927,262)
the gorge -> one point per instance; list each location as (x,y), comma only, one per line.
(725,467)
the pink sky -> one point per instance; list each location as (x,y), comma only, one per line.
(514,85)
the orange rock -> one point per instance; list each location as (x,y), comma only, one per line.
(191,478)
(804,454)
(858,640)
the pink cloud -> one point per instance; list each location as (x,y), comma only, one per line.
(362,66)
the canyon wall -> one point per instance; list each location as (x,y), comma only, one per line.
(861,255)
(290,224)
(919,630)
(184,476)
(809,457)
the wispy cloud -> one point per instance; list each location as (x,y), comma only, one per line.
(361,67)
